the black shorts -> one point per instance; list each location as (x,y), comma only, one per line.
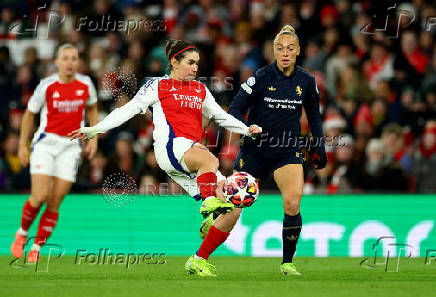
(260,165)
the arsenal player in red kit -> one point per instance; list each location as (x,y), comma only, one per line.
(178,102)
(61,99)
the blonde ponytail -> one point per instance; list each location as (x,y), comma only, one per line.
(287,29)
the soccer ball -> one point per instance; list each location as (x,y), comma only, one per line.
(241,189)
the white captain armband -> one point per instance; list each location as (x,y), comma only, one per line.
(247,88)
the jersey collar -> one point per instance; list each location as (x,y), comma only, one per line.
(62,82)
(280,74)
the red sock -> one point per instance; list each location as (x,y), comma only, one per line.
(207,184)
(29,215)
(214,238)
(46,225)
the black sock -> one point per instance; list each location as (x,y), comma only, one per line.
(290,235)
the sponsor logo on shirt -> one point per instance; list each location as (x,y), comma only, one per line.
(189,101)
(56,94)
(299,90)
(282,103)
(67,106)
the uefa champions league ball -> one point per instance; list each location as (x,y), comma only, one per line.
(241,189)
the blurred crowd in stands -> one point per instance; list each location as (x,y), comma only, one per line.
(376,77)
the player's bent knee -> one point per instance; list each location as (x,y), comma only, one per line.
(235,214)
(38,199)
(211,162)
(216,162)
(291,207)
(54,203)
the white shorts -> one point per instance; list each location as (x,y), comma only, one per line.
(169,156)
(55,155)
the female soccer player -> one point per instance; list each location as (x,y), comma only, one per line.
(276,95)
(61,99)
(177,103)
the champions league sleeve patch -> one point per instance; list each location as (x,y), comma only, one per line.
(251,81)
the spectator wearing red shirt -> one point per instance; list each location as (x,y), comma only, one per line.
(410,49)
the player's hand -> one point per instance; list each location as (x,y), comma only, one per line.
(23,155)
(83,133)
(219,190)
(254,130)
(91,148)
(320,158)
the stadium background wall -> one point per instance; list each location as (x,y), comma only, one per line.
(338,225)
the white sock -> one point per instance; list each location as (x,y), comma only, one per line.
(23,232)
(196,257)
(36,247)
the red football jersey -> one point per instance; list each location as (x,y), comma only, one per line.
(62,105)
(182,104)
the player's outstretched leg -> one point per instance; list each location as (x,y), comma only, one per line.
(206,224)
(31,208)
(217,234)
(29,214)
(199,159)
(290,234)
(199,266)
(291,191)
(50,217)
(225,222)
(214,238)
(47,223)
(207,183)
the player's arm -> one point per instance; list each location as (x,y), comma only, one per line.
(33,107)
(311,106)
(145,97)
(212,110)
(92,116)
(90,148)
(242,100)
(26,128)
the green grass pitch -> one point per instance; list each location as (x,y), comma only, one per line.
(237,276)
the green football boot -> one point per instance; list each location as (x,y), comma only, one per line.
(215,205)
(200,267)
(289,269)
(205,225)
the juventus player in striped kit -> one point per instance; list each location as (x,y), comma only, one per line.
(61,99)
(178,103)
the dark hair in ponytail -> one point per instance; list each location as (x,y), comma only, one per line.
(178,49)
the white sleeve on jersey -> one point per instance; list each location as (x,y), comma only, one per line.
(92,92)
(145,97)
(37,101)
(212,110)
(219,176)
